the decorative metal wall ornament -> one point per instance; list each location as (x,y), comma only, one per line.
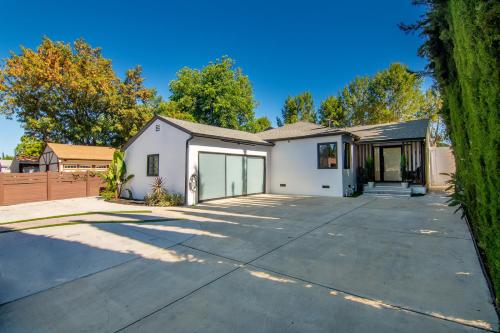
(193,183)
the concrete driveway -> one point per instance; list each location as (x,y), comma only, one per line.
(263,263)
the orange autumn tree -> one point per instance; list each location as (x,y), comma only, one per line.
(71,94)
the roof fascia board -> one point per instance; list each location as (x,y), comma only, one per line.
(313,136)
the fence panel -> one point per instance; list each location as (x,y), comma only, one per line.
(23,187)
(441,161)
(65,185)
(18,188)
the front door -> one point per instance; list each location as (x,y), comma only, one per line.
(390,164)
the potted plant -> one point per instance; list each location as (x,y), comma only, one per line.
(404,172)
(370,172)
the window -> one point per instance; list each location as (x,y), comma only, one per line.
(153,165)
(347,155)
(327,155)
(70,166)
(101,166)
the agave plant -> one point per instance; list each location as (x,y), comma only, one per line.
(116,177)
(457,196)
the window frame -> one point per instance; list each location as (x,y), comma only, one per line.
(153,174)
(336,154)
(347,156)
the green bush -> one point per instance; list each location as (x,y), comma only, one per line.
(107,194)
(463,47)
(159,196)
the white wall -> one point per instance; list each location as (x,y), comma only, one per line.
(170,144)
(295,163)
(197,145)
(441,161)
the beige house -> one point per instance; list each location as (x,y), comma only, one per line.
(71,158)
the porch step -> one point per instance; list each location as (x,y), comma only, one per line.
(387,190)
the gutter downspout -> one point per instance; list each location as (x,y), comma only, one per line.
(186,171)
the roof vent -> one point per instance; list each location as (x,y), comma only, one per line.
(157,127)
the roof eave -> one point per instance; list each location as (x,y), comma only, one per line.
(247,142)
(418,138)
(313,136)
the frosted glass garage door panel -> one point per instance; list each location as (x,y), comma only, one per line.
(255,175)
(212,170)
(235,175)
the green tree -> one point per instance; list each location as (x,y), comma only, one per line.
(355,99)
(7,156)
(219,95)
(261,124)
(70,94)
(461,45)
(298,108)
(170,109)
(393,94)
(332,113)
(29,146)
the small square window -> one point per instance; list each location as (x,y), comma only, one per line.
(327,155)
(153,165)
(347,155)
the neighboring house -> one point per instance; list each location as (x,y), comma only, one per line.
(206,162)
(5,165)
(71,158)
(24,164)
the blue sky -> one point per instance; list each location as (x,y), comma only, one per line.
(285,47)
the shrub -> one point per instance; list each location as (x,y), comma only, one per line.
(116,177)
(462,48)
(159,196)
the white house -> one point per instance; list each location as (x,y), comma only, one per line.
(205,162)
(5,166)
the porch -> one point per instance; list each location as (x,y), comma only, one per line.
(387,157)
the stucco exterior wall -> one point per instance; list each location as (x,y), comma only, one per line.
(295,163)
(170,143)
(198,144)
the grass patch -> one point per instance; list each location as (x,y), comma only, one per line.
(79,214)
(356,194)
(86,222)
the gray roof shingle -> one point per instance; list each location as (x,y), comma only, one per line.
(414,129)
(301,129)
(209,131)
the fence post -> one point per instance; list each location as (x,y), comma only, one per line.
(87,185)
(1,189)
(48,184)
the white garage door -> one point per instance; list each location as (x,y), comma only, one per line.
(225,175)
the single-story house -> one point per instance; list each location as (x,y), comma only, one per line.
(205,162)
(70,158)
(5,165)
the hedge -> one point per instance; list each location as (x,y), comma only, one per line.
(463,49)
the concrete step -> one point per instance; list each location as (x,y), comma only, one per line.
(387,190)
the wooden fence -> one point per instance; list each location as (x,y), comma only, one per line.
(40,186)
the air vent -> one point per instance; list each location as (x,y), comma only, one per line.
(157,127)
(282,185)
(325,186)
